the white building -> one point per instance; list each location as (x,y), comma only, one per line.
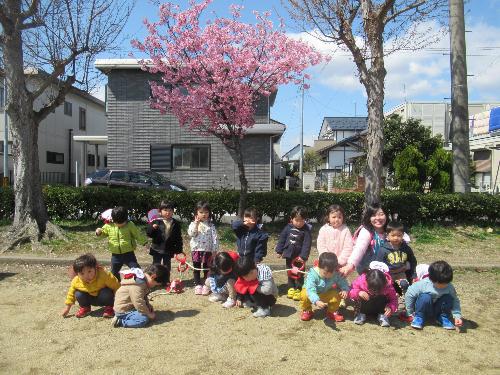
(81,115)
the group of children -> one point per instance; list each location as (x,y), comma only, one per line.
(241,279)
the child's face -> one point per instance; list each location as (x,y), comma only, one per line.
(395,237)
(151,280)
(250,222)
(120,225)
(325,274)
(252,275)
(336,219)
(87,274)
(166,213)
(298,222)
(203,215)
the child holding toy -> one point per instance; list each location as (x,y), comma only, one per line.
(204,243)
(92,286)
(256,284)
(123,236)
(295,242)
(132,307)
(250,238)
(324,288)
(222,278)
(166,236)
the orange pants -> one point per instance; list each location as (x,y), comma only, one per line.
(332,297)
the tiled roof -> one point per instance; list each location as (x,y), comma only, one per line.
(346,123)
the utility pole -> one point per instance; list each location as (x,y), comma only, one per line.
(459,99)
(5,180)
(301,162)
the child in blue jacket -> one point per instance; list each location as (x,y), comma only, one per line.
(250,238)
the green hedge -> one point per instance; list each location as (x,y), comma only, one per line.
(65,202)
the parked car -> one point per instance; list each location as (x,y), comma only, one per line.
(132,179)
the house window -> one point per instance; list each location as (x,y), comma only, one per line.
(161,157)
(91,160)
(68,108)
(191,156)
(82,119)
(55,157)
(10,147)
(106,161)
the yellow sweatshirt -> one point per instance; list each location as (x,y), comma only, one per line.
(103,279)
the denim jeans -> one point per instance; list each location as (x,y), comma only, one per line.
(106,297)
(118,260)
(132,319)
(425,308)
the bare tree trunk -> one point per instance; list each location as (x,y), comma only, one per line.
(243,180)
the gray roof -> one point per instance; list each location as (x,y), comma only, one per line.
(346,123)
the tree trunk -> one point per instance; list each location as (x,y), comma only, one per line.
(243,180)
(30,215)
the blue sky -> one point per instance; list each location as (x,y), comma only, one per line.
(335,90)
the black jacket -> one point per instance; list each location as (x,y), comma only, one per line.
(294,242)
(172,245)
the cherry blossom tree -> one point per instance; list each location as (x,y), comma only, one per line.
(213,74)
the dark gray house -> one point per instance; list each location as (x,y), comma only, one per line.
(141,138)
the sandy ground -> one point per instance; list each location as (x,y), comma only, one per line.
(192,335)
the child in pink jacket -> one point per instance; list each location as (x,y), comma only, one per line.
(335,237)
(374,294)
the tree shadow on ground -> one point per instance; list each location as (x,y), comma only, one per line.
(283,310)
(169,316)
(5,275)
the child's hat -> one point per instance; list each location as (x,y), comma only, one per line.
(422,271)
(379,266)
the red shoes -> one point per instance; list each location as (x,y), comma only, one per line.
(108,312)
(83,312)
(335,316)
(306,315)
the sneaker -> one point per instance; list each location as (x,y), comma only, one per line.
(444,322)
(108,312)
(198,289)
(417,322)
(383,320)
(296,295)
(205,290)
(306,315)
(262,312)
(290,293)
(83,312)
(229,303)
(116,322)
(338,317)
(217,297)
(248,304)
(360,318)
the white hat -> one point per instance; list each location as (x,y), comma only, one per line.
(422,271)
(379,266)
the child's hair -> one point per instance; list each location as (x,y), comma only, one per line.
(328,262)
(245,265)
(253,213)
(85,260)
(162,273)
(167,205)
(440,272)
(298,211)
(203,206)
(333,208)
(369,211)
(376,281)
(222,263)
(395,226)
(119,215)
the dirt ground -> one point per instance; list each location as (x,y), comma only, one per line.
(192,335)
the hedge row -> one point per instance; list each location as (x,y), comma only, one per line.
(65,202)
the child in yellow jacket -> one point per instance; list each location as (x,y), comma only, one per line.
(92,286)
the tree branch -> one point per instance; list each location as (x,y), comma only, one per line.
(411,6)
(43,112)
(31,11)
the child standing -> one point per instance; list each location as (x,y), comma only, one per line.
(255,283)
(321,288)
(92,286)
(295,241)
(398,256)
(123,236)
(203,243)
(434,297)
(166,236)
(222,278)
(374,294)
(335,237)
(132,307)
(250,238)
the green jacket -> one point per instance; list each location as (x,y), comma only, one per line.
(122,240)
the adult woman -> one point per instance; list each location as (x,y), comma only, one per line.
(369,239)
